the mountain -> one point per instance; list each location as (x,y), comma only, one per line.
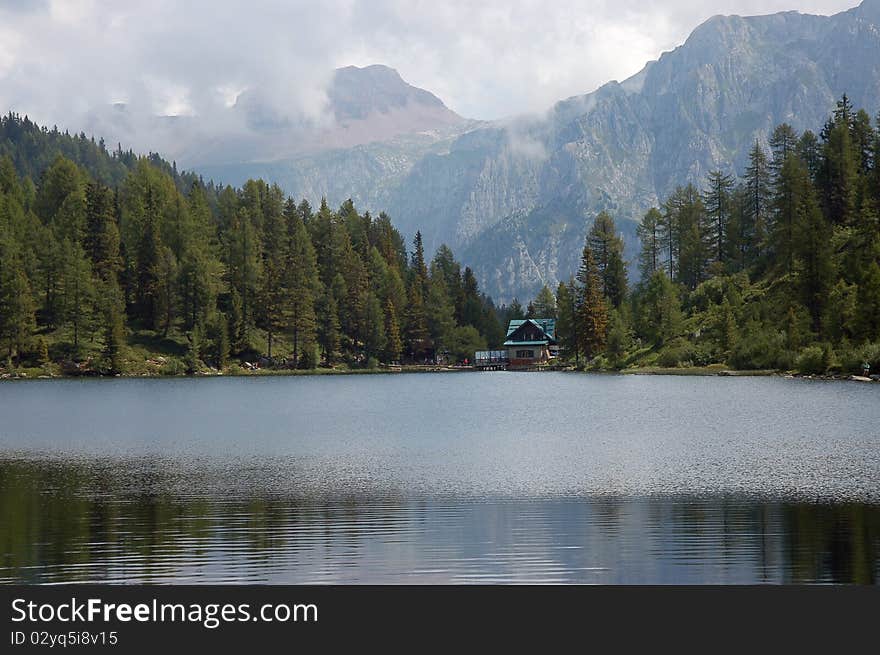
(378,127)
(516,197)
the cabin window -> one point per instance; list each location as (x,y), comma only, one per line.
(525,354)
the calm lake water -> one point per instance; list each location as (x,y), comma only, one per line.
(446,478)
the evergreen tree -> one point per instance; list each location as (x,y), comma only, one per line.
(592,314)
(114,327)
(757,181)
(440,312)
(148,265)
(838,173)
(717,202)
(417,335)
(243,271)
(566,322)
(515,311)
(78,291)
(649,234)
(790,188)
(374,337)
(544,305)
(659,310)
(17,310)
(303,286)
(783,144)
(812,236)
(393,343)
(328,324)
(607,249)
(273,281)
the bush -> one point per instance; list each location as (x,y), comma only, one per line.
(812,360)
(852,358)
(681,353)
(307,359)
(761,350)
(372,363)
(173,366)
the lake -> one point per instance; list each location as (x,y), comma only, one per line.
(440,478)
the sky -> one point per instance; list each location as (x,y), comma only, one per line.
(64,62)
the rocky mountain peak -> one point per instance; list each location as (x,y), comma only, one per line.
(356,93)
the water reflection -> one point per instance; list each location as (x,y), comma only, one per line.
(132,520)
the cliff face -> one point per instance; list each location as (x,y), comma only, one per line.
(516,198)
(627,145)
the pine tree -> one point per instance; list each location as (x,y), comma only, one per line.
(418,266)
(687,213)
(273,291)
(757,181)
(374,333)
(607,249)
(303,286)
(102,232)
(790,186)
(649,235)
(440,312)
(515,311)
(717,202)
(114,327)
(17,311)
(78,291)
(592,314)
(809,151)
(618,339)
(566,322)
(783,143)
(328,324)
(243,270)
(812,235)
(544,304)
(148,264)
(838,173)
(393,343)
(659,316)
(417,335)
(166,289)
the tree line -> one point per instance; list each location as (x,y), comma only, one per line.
(778,269)
(108,258)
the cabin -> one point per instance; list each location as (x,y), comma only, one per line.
(531,342)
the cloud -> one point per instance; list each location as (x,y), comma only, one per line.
(66,62)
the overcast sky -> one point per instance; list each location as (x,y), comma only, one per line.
(59,59)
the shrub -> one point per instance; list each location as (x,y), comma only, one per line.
(684,354)
(372,363)
(852,358)
(307,359)
(812,360)
(173,366)
(761,350)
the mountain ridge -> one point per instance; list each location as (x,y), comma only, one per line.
(535,182)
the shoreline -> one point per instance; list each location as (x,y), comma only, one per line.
(237,372)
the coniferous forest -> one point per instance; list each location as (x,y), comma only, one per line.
(114,263)
(776,270)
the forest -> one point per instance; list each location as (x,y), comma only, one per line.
(776,270)
(111,263)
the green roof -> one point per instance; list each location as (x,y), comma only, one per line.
(546,325)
